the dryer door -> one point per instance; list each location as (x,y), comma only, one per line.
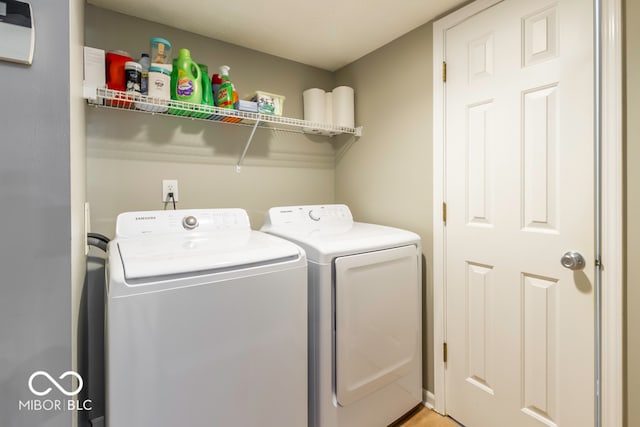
(377,306)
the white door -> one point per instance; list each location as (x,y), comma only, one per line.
(519,193)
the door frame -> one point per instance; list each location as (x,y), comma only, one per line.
(611,210)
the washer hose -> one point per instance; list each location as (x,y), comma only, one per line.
(98,240)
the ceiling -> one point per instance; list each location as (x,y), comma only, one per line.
(327,34)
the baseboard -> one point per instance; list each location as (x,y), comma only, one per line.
(428,399)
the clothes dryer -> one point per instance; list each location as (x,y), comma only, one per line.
(365,335)
(206,322)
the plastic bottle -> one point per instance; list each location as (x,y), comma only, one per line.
(216,81)
(189,80)
(236,98)
(133,71)
(172,91)
(207,96)
(207,92)
(159,83)
(116,79)
(145,62)
(225,93)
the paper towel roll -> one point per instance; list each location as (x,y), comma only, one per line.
(314,106)
(343,109)
(328,111)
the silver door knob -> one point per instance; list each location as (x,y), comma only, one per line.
(573,260)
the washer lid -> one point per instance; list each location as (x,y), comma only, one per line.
(154,256)
(323,243)
(327,231)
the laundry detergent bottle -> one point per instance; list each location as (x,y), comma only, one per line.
(207,92)
(174,108)
(225,92)
(188,79)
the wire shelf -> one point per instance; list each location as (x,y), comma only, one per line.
(108,98)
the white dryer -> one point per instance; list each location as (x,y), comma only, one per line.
(365,351)
(206,323)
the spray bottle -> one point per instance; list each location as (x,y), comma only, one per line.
(225,92)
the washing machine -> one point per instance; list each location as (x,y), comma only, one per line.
(365,334)
(206,323)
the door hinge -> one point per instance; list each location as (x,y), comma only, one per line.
(444,213)
(444,72)
(444,352)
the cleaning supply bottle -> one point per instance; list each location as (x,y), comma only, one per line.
(144,80)
(174,78)
(216,81)
(189,79)
(207,93)
(225,93)
(173,108)
(236,98)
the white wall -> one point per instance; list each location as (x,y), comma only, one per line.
(78,176)
(35,249)
(385,176)
(130,153)
(633,212)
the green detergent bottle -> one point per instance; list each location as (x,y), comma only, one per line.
(207,93)
(174,81)
(189,79)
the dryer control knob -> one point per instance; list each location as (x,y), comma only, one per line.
(314,215)
(190,222)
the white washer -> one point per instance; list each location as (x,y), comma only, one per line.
(365,351)
(206,322)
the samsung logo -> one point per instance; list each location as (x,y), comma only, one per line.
(145,218)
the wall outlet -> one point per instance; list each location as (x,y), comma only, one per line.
(169,186)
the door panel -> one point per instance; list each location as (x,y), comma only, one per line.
(519,192)
(539,144)
(377,324)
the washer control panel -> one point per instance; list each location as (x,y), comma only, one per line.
(184,221)
(313,214)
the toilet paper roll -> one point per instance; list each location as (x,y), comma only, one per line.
(343,107)
(314,106)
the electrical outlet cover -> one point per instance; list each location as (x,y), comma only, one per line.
(169,186)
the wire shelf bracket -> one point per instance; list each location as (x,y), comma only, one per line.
(246,147)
